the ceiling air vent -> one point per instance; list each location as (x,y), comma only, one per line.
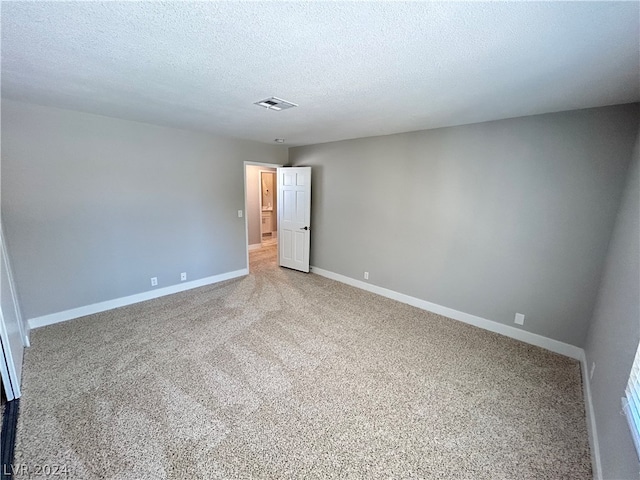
(275,103)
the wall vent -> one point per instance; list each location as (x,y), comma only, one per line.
(275,103)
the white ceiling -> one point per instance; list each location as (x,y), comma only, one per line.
(356,69)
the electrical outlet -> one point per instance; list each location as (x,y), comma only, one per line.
(154,281)
(366,275)
(519,319)
(239,213)
(183,276)
(593,367)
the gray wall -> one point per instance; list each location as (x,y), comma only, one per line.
(95,206)
(615,332)
(489,219)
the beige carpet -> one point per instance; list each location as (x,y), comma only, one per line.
(282,374)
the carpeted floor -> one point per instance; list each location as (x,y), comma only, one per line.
(282,374)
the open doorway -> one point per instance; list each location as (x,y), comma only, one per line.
(268,207)
(261,208)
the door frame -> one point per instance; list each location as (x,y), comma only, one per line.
(246,218)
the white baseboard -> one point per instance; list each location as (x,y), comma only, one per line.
(124,301)
(512,332)
(531,338)
(596,463)
(255,246)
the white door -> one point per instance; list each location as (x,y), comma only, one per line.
(294,212)
(11,330)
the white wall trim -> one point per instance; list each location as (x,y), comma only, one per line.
(531,338)
(493,326)
(65,315)
(596,462)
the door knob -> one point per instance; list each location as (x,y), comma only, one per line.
(305,228)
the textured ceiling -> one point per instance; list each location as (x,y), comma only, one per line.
(356,69)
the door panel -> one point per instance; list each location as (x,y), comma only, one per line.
(294,227)
(287,246)
(299,249)
(300,210)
